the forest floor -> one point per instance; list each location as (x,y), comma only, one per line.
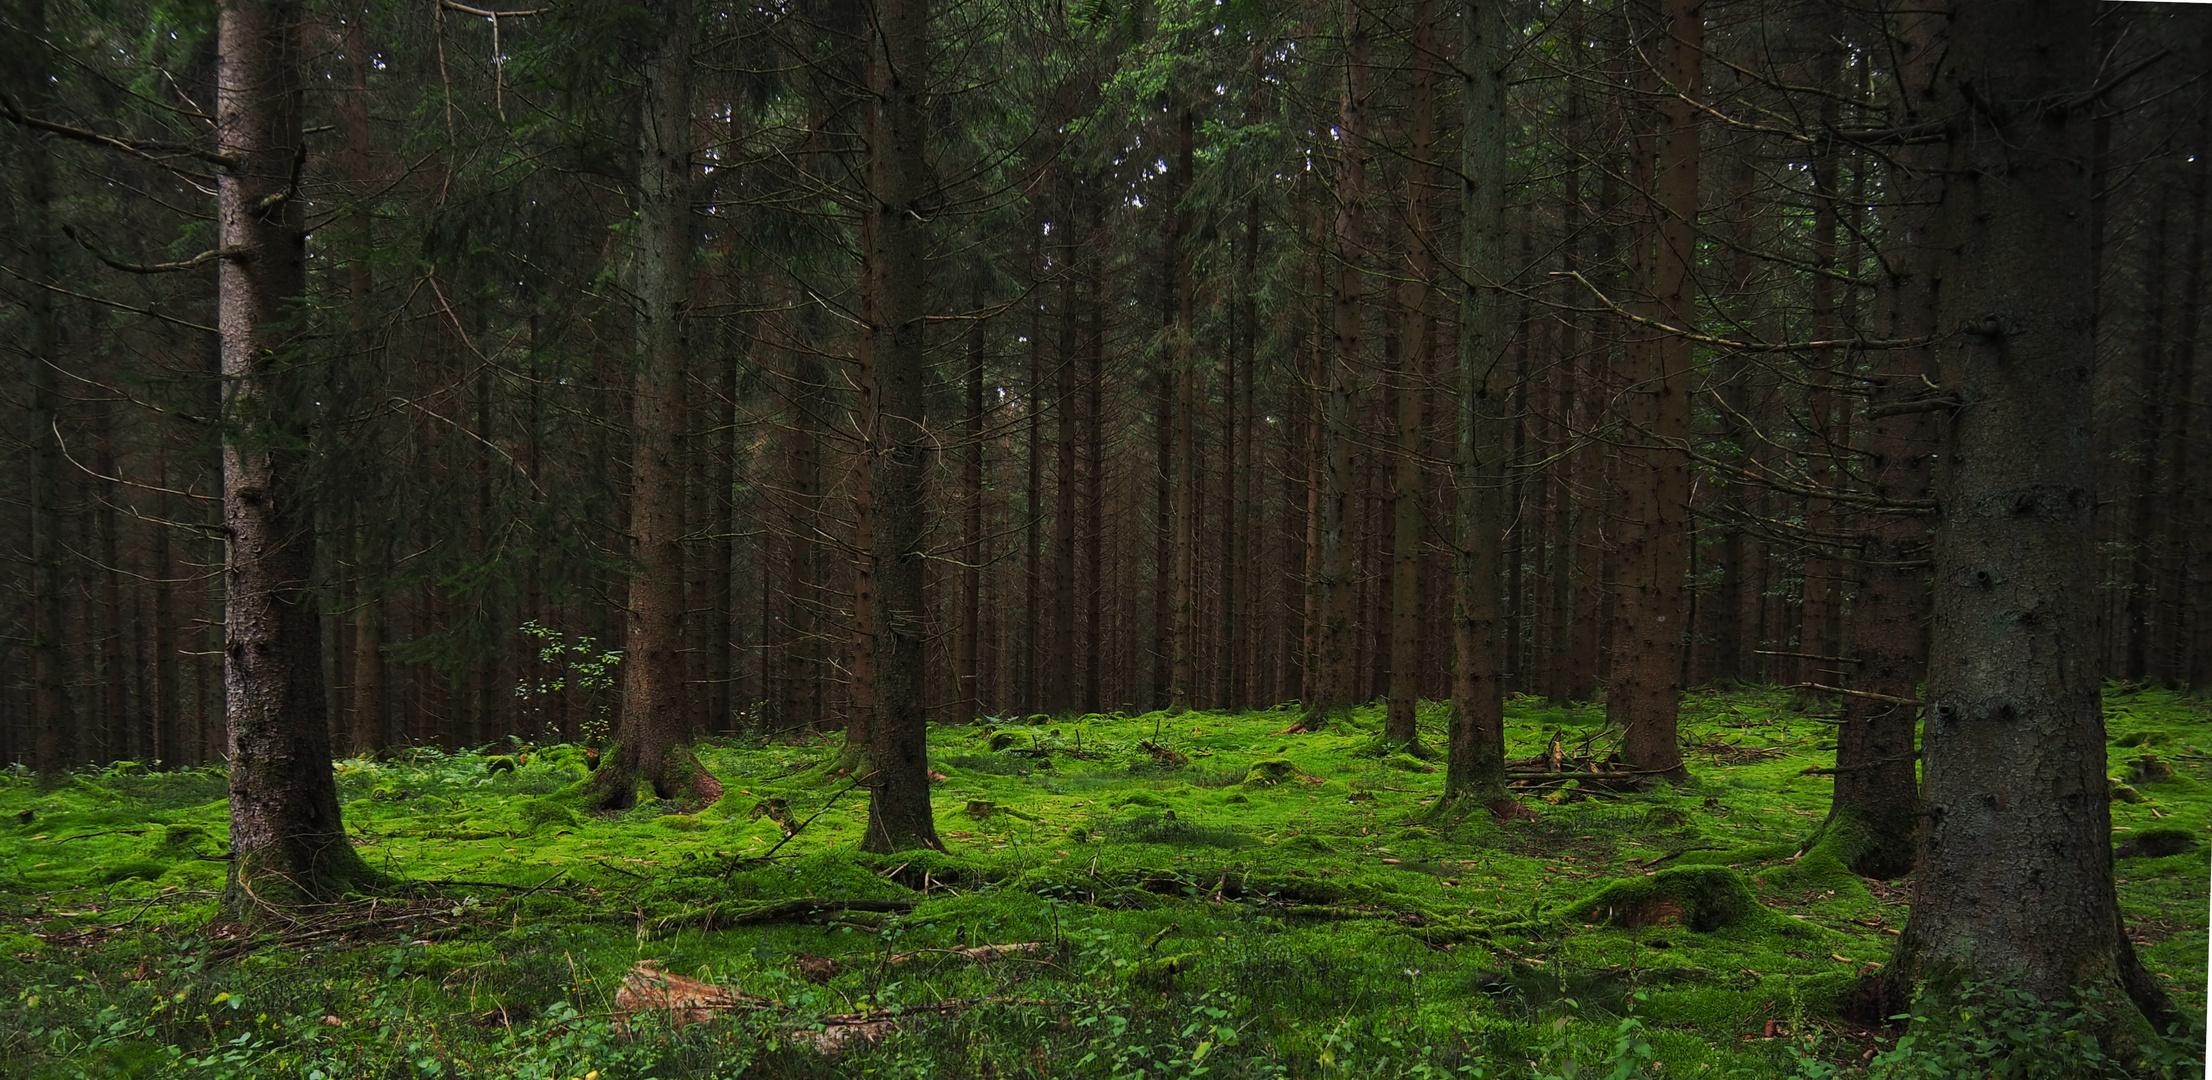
(1160,896)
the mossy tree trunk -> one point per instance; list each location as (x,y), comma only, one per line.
(2016,879)
(288,843)
(891,380)
(654,718)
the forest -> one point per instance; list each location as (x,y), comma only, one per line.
(1105,538)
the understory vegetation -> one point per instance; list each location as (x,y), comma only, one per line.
(1160,895)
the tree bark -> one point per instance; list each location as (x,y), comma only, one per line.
(654,718)
(1184,632)
(1650,618)
(1475,751)
(52,724)
(2016,877)
(288,843)
(1399,726)
(891,380)
(1333,671)
(967,649)
(1874,818)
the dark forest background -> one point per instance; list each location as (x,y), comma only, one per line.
(1192,371)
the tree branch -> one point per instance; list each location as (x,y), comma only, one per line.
(155,152)
(193,263)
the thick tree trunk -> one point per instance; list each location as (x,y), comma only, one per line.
(288,843)
(1475,751)
(655,718)
(1645,689)
(891,381)
(2016,878)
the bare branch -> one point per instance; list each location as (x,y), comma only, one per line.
(156,152)
(193,263)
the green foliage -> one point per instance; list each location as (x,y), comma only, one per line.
(579,664)
(1998,1032)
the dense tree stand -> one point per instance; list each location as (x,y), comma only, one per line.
(2016,872)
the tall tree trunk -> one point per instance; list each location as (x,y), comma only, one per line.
(723,617)
(53,727)
(1094,462)
(966,649)
(1874,818)
(1333,670)
(288,843)
(804,595)
(2186,545)
(891,380)
(114,671)
(1240,627)
(1406,473)
(1475,753)
(169,733)
(1184,633)
(2016,878)
(1033,571)
(1824,587)
(1059,682)
(1650,621)
(654,719)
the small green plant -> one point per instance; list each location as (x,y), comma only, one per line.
(1998,1032)
(578,663)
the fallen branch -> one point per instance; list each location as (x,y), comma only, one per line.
(1867,694)
(1624,774)
(1646,864)
(788,910)
(1875,764)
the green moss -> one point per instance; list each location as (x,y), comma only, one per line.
(1702,898)
(135,870)
(538,815)
(1271,772)
(1391,933)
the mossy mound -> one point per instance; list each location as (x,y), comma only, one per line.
(540,814)
(2156,843)
(1168,828)
(1702,898)
(1271,772)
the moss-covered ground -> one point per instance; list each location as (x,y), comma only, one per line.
(1206,897)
